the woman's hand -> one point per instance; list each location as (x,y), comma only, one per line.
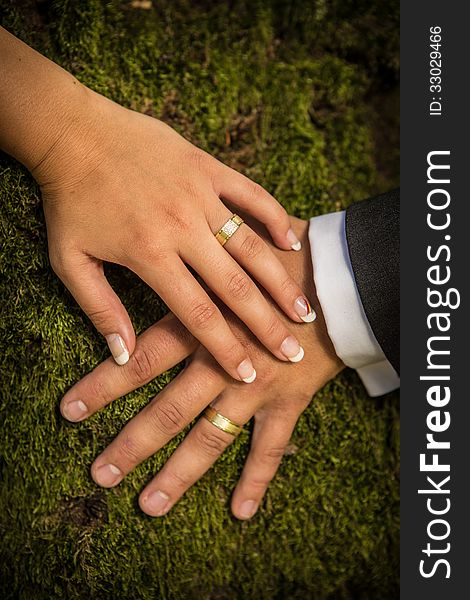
(136,193)
(123,187)
(275,400)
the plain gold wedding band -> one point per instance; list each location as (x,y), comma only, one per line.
(223,423)
(228,229)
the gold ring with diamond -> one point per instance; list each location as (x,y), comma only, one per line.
(230,227)
(223,423)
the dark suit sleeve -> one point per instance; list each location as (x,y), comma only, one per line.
(373,237)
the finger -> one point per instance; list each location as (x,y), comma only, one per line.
(271,435)
(251,252)
(159,348)
(168,413)
(84,277)
(235,288)
(256,201)
(190,303)
(193,457)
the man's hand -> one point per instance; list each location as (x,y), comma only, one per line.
(276,399)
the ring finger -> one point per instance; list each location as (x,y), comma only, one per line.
(193,457)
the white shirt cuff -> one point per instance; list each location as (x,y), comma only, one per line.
(346,321)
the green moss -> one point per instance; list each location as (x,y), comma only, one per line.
(301,97)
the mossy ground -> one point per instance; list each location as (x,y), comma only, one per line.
(301,96)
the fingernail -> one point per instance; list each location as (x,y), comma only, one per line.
(293,241)
(74,411)
(246,371)
(248,509)
(157,503)
(304,310)
(292,350)
(108,475)
(118,348)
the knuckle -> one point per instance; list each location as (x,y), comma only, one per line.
(272,327)
(201,314)
(101,317)
(233,353)
(149,247)
(180,479)
(239,286)
(260,481)
(288,287)
(179,332)
(212,443)
(279,214)
(129,449)
(141,365)
(272,454)
(197,158)
(167,418)
(192,190)
(176,219)
(252,246)
(256,191)
(98,391)
(155,254)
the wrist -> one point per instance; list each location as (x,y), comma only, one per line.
(39,102)
(76,141)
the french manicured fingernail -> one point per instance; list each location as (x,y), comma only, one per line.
(292,350)
(108,475)
(304,310)
(75,411)
(293,241)
(248,509)
(246,371)
(118,348)
(157,503)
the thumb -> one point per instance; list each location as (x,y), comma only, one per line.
(90,288)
